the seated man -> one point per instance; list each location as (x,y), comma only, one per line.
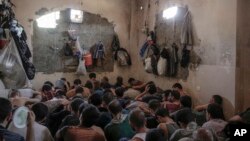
(119,126)
(185,119)
(136,84)
(174,102)
(18,101)
(215,99)
(149,94)
(42,133)
(84,131)
(78,83)
(5,116)
(155,135)
(216,120)
(167,124)
(137,121)
(242,117)
(73,118)
(178,87)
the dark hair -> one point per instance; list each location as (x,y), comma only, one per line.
(176,95)
(119,81)
(95,99)
(177,85)
(167,92)
(13,93)
(90,115)
(5,109)
(154,104)
(64,79)
(77,82)
(92,75)
(152,89)
(75,104)
(79,89)
(105,79)
(215,111)
(155,135)
(184,116)
(218,99)
(137,118)
(82,107)
(130,80)
(97,85)
(89,85)
(105,85)
(40,110)
(46,87)
(163,112)
(115,107)
(107,97)
(49,83)
(119,91)
(60,93)
(186,101)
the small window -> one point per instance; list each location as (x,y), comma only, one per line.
(48,20)
(170,12)
(76,16)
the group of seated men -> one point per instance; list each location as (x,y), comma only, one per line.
(101,111)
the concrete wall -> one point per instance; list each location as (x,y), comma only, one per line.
(116,11)
(215,26)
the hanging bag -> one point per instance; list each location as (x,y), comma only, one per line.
(148,66)
(161,66)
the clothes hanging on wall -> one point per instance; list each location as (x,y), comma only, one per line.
(99,52)
(174,60)
(186,39)
(115,43)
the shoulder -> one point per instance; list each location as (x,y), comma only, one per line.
(11,136)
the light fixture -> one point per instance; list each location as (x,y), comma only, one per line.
(170,12)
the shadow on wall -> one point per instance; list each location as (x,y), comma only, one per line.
(228,108)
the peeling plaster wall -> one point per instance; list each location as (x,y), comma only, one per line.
(215,26)
(116,11)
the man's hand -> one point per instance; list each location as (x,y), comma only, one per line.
(31,118)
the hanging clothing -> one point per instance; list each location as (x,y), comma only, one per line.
(186,40)
(115,43)
(143,50)
(174,60)
(99,52)
(20,38)
(187,30)
(154,61)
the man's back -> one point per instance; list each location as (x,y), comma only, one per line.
(79,134)
(115,131)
